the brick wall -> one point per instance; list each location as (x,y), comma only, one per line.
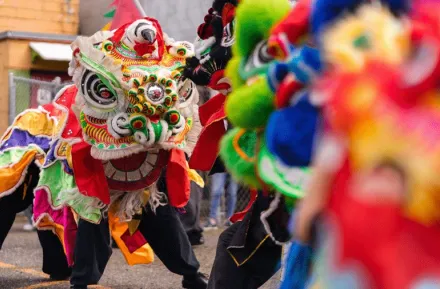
(45,16)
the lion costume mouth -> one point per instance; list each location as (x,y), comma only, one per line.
(136,171)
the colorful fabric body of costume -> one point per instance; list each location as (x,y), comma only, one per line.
(102,144)
(298,40)
(380,156)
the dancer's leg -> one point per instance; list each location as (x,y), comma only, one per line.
(16,202)
(7,217)
(231,197)
(54,258)
(217,187)
(251,274)
(225,273)
(166,235)
(92,252)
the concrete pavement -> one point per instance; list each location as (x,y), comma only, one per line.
(21,257)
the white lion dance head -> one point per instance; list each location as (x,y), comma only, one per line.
(130,94)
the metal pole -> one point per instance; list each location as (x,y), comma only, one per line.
(56,87)
(140,8)
(12,98)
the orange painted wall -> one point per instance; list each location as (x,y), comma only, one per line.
(44,16)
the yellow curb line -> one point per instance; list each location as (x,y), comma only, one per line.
(45,284)
(40,274)
(23,270)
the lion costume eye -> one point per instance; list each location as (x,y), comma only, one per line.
(259,57)
(98,91)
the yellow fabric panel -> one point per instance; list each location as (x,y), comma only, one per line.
(36,123)
(196,178)
(10,177)
(46,223)
(143,255)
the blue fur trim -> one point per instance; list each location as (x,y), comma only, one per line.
(290,133)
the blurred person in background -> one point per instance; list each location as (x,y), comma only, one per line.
(218,182)
(29,225)
(191,217)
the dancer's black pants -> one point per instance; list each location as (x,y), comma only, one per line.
(54,260)
(163,231)
(261,266)
(245,257)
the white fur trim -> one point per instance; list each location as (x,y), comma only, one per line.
(129,204)
(266,214)
(156,198)
(193,135)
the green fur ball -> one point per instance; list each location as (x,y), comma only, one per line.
(241,169)
(250,106)
(254,20)
(231,71)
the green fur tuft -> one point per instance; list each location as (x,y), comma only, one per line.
(254,19)
(250,106)
(232,72)
(241,170)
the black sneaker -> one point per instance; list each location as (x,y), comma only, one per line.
(198,281)
(196,240)
(59,277)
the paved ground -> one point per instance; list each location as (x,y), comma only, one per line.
(20,266)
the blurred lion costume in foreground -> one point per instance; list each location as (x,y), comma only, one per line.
(375,177)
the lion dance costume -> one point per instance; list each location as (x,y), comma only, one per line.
(243,246)
(294,129)
(374,178)
(110,151)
